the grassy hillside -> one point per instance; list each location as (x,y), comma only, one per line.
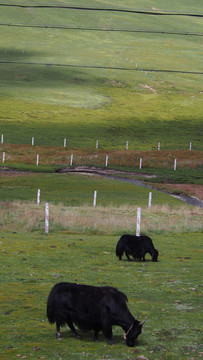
(41,98)
(111,76)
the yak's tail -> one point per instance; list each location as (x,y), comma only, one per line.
(50,310)
(120,248)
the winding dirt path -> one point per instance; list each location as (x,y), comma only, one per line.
(189,193)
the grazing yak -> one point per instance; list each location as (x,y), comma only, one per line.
(137,246)
(91,308)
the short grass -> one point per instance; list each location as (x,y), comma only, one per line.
(167,292)
(130,114)
(83,104)
(73,190)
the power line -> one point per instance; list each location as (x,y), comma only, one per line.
(142,12)
(64,27)
(102,67)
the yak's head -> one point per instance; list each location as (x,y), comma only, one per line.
(155,255)
(133,332)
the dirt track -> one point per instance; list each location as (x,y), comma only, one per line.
(189,193)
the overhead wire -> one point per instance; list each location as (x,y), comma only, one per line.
(133,11)
(64,27)
(143,12)
(101,67)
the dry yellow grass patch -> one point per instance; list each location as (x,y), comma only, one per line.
(21,216)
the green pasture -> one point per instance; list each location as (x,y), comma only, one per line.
(167,292)
(86,85)
(74,190)
(186,176)
(83,103)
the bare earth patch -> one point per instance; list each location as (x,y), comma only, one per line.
(148,87)
(91,170)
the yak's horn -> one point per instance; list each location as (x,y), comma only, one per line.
(143,321)
(137,316)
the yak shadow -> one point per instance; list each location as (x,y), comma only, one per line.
(138,261)
(88,337)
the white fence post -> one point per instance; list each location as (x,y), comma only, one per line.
(2,138)
(126,145)
(175,164)
(37,161)
(190,145)
(97,144)
(95,199)
(64,142)
(138,221)
(71,160)
(159,145)
(140,163)
(3,157)
(33,140)
(150,199)
(46,218)
(107,158)
(38,196)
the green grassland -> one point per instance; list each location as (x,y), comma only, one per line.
(167,292)
(73,190)
(83,85)
(41,99)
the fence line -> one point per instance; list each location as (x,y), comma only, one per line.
(126,146)
(165,163)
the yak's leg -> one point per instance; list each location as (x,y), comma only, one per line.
(58,333)
(71,326)
(135,255)
(126,253)
(108,334)
(106,326)
(142,255)
(96,335)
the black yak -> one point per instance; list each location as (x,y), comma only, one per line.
(91,308)
(137,246)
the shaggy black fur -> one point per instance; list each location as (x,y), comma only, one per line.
(136,246)
(91,308)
